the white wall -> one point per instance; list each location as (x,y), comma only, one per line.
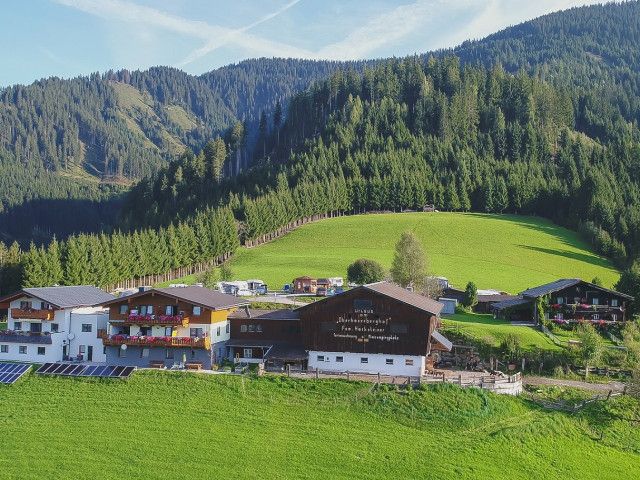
(377,363)
(95,317)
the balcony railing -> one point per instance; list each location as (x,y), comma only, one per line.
(173,320)
(12,336)
(31,314)
(191,342)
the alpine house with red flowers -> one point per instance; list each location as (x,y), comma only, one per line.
(186,326)
(567,300)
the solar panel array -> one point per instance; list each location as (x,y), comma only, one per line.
(10,372)
(74,370)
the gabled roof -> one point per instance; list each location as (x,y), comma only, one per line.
(513,302)
(405,296)
(64,297)
(394,291)
(561,284)
(256,314)
(495,298)
(201,296)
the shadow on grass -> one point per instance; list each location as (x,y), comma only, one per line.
(581,257)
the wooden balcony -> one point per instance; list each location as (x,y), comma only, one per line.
(31,314)
(168,320)
(134,341)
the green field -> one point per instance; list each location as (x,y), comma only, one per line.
(173,425)
(505,252)
(485,327)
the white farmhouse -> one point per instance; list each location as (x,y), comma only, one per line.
(51,324)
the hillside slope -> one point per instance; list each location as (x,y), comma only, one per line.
(224,426)
(504,252)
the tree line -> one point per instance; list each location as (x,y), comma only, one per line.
(106,259)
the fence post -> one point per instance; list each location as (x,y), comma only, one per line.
(288,369)
(348,375)
(317,376)
(378,378)
(460,379)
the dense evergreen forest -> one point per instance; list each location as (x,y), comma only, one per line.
(513,123)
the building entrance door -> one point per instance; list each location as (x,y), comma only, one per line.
(89,353)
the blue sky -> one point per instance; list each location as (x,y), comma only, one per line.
(42,38)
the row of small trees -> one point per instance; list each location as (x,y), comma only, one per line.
(107,259)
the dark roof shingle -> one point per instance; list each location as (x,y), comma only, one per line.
(202,296)
(563,283)
(65,297)
(405,296)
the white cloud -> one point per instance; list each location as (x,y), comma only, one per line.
(233,35)
(395,26)
(214,35)
(414,27)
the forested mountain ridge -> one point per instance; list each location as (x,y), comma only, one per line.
(396,134)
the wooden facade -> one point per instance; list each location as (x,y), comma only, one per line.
(365,321)
(305,285)
(160,308)
(588,302)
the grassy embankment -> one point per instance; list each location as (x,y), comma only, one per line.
(175,425)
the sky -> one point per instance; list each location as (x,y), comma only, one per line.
(67,38)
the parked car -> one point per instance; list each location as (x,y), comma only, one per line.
(321,292)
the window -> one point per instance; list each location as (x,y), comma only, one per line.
(17,325)
(144,353)
(82,349)
(22,349)
(614,302)
(339,359)
(35,327)
(259,328)
(248,353)
(252,327)
(146,310)
(218,330)
(25,305)
(408,362)
(197,310)
(122,353)
(168,354)
(124,309)
(595,301)
(143,309)
(321,358)
(169,310)
(196,332)
(41,350)
(47,306)
(228,327)
(55,327)
(4,348)
(86,327)
(560,300)
(243,328)
(389,361)
(364,360)
(168,331)
(596,316)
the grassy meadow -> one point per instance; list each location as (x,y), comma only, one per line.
(176,425)
(485,327)
(505,252)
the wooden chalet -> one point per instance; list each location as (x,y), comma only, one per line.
(569,300)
